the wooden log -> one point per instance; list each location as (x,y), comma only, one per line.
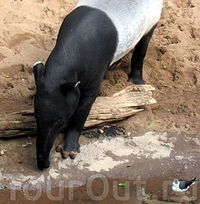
(105,110)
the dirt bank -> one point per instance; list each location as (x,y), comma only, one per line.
(28,33)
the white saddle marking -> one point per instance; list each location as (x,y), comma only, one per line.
(132,19)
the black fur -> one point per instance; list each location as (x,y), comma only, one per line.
(138,56)
(85,47)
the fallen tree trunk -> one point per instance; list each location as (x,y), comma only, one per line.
(105,110)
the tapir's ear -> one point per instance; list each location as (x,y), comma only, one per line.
(38,70)
(68,86)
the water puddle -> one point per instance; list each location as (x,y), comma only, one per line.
(144,165)
(102,190)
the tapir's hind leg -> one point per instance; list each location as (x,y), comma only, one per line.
(138,56)
(70,146)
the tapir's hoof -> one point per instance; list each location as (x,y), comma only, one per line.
(136,81)
(59,148)
(73,154)
(66,154)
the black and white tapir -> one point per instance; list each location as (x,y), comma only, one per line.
(96,34)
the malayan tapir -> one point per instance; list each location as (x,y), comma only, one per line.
(96,34)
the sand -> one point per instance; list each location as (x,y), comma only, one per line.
(28,33)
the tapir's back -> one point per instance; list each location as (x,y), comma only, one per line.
(132,19)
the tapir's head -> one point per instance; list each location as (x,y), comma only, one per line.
(55,102)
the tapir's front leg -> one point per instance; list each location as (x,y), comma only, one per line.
(70,146)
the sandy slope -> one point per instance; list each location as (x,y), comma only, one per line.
(28,32)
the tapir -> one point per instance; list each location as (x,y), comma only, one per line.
(92,37)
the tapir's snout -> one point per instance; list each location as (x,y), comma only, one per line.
(44,144)
(43,163)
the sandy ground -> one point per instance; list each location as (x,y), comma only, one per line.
(28,33)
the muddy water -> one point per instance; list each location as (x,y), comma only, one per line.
(146,164)
(103,190)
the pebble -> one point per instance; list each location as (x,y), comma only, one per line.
(27,144)
(128,134)
(101,131)
(2,152)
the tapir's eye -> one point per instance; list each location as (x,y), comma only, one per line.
(58,121)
